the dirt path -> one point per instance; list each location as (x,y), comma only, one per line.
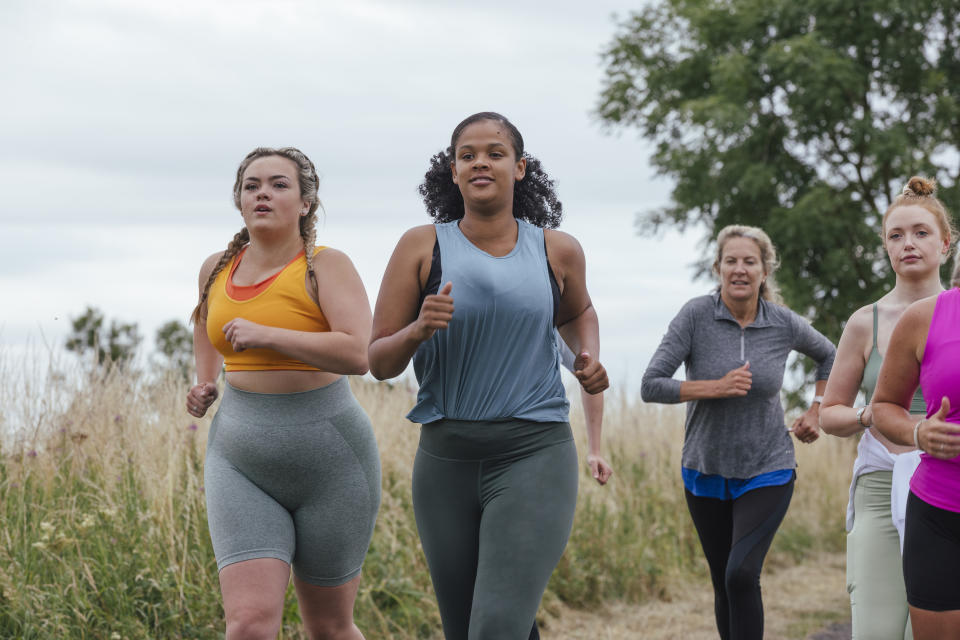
(804,602)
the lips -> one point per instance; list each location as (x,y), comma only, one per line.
(262,208)
(481,180)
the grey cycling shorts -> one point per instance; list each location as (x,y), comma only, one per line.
(293,476)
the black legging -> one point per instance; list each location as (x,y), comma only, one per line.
(735,536)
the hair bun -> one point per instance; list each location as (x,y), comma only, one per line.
(920,187)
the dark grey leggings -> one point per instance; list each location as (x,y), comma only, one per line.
(494,504)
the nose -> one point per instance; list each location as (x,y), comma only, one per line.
(480,162)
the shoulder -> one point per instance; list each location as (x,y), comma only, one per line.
(424,234)
(330,257)
(561,245)
(859,326)
(700,305)
(209,265)
(917,316)
(696,310)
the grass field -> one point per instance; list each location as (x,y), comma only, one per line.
(103,531)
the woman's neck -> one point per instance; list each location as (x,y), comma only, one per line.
(909,290)
(743,311)
(269,250)
(496,234)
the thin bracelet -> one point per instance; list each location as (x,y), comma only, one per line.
(916,430)
(817,399)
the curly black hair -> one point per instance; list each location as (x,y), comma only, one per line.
(534,197)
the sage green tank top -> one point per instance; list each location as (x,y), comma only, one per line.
(872,371)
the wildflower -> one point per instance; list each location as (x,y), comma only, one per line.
(87,522)
(39,545)
(32,453)
(108,512)
(47,528)
(192,427)
(115,636)
(117,418)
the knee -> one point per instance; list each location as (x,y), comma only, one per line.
(741,580)
(253,623)
(495,626)
(332,629)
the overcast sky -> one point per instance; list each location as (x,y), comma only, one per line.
(123,123)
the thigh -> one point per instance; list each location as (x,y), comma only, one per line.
(757,515)
(244,521)
(327,612)
(713,520)
(253,593)
(335,517)
(447,510)
(931,557)
(878,600)
(528,511)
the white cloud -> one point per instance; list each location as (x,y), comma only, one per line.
(124,123)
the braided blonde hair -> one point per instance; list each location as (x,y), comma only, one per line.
(309,183)
(922,192)
(768,255)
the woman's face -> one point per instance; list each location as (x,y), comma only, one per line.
(270,195)
(741,269)
(485,165)
(913,240)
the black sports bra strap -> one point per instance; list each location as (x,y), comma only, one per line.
(433,278)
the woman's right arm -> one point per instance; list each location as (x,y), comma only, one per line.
(658,384)
(207,358)
(838,416)
(399,327)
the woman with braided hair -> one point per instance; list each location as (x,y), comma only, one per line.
(495,476)
(292,473)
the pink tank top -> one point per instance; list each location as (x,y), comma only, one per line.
(937,482)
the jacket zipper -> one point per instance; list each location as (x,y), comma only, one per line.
(742,356)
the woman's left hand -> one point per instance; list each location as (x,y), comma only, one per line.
(599,469)
(243,334)
(807,426)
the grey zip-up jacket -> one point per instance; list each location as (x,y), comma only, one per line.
(745,436)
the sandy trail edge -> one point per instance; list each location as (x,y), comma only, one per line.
(803,601)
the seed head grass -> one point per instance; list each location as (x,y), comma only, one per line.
(103,528)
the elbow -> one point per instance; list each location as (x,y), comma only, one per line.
(377,368)
(647,393)
(361,367)
(379,373)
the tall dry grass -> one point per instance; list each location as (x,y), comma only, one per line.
(103,530)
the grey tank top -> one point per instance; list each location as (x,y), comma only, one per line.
(871,372)
(498,358)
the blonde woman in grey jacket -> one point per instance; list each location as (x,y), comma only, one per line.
(738,459)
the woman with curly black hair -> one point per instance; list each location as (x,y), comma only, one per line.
(495,477)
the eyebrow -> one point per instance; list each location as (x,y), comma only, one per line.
(489,146)
(276,177)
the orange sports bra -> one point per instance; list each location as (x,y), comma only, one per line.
(279,301)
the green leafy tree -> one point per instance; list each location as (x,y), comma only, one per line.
(174,342)
(804,117)
(113,344)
